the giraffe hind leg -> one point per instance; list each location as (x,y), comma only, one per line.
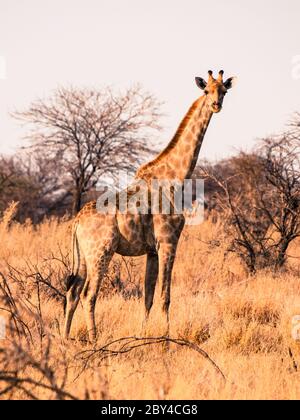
(97,268)
(74,287)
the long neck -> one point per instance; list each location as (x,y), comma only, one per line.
(179,158)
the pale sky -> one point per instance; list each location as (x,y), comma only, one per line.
(163,44)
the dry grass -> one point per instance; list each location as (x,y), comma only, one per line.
(243,323)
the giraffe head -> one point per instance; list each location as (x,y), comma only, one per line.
(215,89)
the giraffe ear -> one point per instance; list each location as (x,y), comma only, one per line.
(230,82)
(201,83)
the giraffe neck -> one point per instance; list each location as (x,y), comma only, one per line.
(179,158)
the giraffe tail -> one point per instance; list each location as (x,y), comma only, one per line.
(71,278)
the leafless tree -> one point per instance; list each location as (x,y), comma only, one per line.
(15,185)
(34,182)
(91,133)
(261,201)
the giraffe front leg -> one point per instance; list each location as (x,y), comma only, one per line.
(150,283)
(166,257)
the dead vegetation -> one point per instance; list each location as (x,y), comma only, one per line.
(241,322)
(258,195)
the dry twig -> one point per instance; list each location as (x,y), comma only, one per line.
(128,344)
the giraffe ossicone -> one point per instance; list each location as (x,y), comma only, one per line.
(97,235)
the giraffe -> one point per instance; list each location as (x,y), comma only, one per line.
(98,235)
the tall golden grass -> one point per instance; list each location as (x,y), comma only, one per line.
(242,322)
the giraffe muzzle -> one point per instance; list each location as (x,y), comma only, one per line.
(216,107)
